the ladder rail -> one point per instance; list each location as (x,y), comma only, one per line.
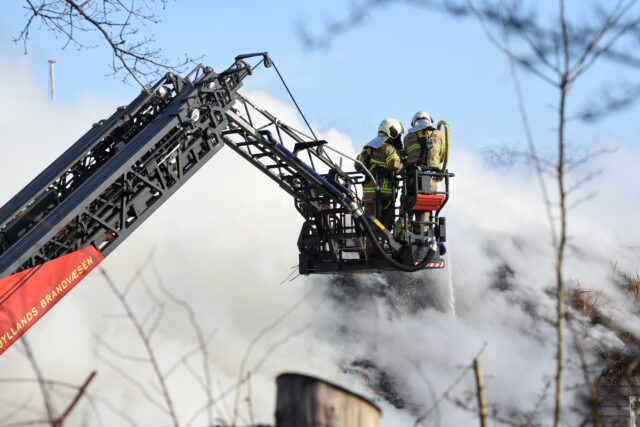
(65,161)
(303,171)
(103,201)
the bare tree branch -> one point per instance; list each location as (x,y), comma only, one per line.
(588,58)
(147,344)
(523,62)
(46,397)
(202,343)
(257,338)
(611,100)
(81,391)
(577,343)
(562,241)
(242,380)
(17,408)
(197,349)
(445,395)
(58,421)
(118,353)
(531,146)
(482,400)
(115,23)
(141,388)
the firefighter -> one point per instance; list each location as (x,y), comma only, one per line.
(424,148)
(424,145)
(383,161)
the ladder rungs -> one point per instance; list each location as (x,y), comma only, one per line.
(277,165)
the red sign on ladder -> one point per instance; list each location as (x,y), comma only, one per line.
(26,296)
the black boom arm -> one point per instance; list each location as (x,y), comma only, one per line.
(116,175)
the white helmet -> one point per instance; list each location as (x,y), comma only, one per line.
(391,127)
(422,115)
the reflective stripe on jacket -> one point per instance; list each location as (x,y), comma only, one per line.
(383,163)
(413,148)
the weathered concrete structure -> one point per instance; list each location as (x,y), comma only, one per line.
(305,401)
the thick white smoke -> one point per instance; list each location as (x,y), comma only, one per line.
(227,239)
(224,243)
(496,218)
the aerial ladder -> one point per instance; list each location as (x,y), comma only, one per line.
(90,199)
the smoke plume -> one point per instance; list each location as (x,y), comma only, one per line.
(225,244)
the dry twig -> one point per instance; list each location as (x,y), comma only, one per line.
(147,344)
(116,24)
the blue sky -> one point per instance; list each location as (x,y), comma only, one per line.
(400,60)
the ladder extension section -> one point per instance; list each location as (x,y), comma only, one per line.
(273,158)
(121,171)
